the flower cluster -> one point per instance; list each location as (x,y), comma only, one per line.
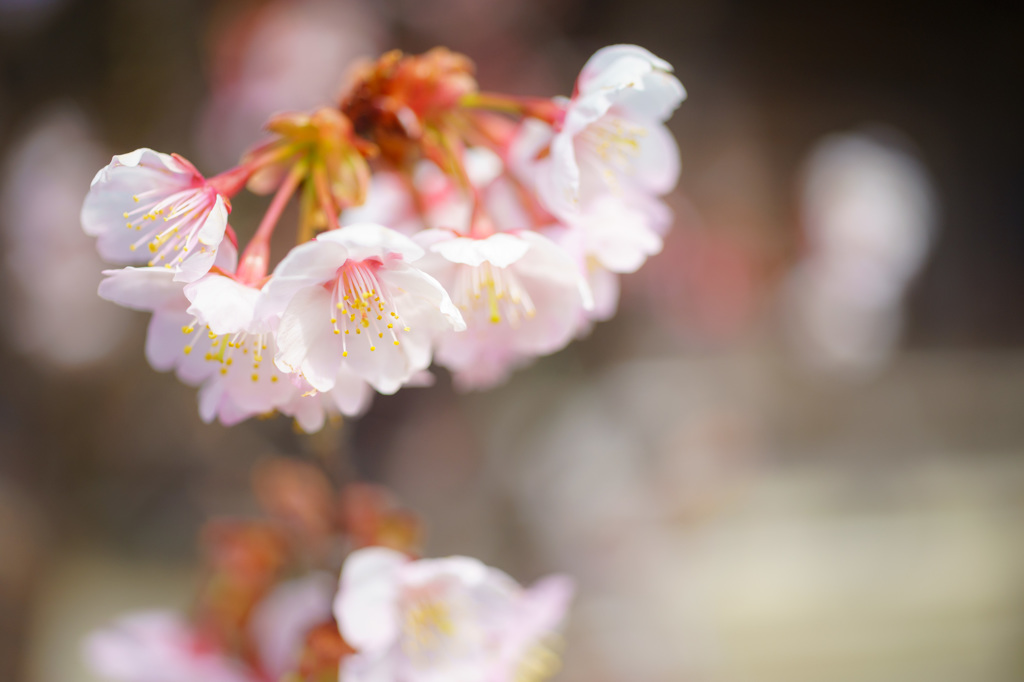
(394,616)
(437,223)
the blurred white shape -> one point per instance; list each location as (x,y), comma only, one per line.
(284,56)
(869,216)
(281,621)
(58,318)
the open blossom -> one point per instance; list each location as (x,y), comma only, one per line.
(612,136)
(351,300)
(153,208)
(452,619)
(520,294)
(208,332)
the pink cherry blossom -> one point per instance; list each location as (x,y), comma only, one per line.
(612,136)
(153,208)
(158,646)
(451,619)
(351,300)
(281,620)
(520,294)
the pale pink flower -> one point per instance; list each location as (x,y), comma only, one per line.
(350,299)
(612,137)
(452,619)
(153,208)
(41,196)
(281,621)
(158,646)
(520,294)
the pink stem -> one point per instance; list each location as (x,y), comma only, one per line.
(253,264)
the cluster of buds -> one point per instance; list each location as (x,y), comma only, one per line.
(271,607)
(436,223)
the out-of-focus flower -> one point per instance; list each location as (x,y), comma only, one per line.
(869,217)
(280,622)
(521,296)
(612,136)
(449,619)
(159,646)
(41,200)
(148,207)
(285,55)
(350,299)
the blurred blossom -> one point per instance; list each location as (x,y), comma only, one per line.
(280,622)
(282,56)
(58,318)
(869,217)
(158,646)
(445,619)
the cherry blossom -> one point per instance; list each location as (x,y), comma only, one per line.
(452,619)
(350,299)
(520,294)
(159,646)
(612,136)
(153,208)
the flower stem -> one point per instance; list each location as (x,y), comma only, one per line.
(541,108)
(252,266)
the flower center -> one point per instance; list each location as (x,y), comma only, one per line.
(428,624)
(361,306)
(493,291)
(170,223)
(538,664)
(226,349)
(614,142)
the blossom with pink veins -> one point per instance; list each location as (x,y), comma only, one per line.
(612,137)
(351,300)
(520,294)
(452,619)
(153,208)
(209,333)
(158,646)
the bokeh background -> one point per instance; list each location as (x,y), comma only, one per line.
(796,454)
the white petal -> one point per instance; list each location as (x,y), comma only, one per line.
(164,340)
(210,396)
(607,57)
(362,668)
(212,231)
(558,186)
(366,606)
(307,410)
(306,341)
(368,240)
(351,395)
(418,284)
(141,288)
(221,303)
(196,265)
(605,286)
(306,265)
(656,168)
(280,622)
(659,95)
